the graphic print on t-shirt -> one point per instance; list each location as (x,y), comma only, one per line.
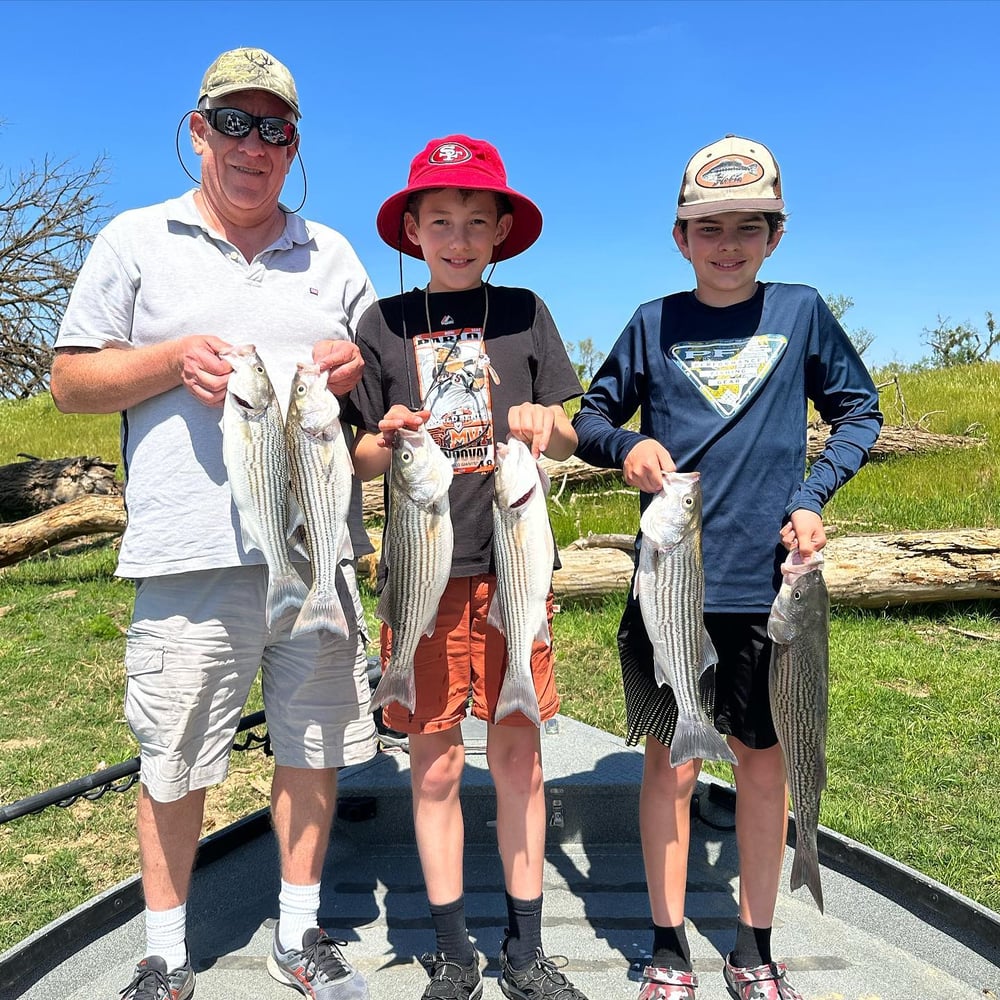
(729,372)
(453,380)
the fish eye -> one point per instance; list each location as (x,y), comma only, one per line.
(796,595)
(300,389)
(259,369)
(689,501)
(406,456)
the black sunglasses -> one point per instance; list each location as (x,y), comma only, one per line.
(237,124)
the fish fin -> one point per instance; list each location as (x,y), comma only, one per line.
(384,609)
(805,869)
(709,657)
(696,739)
(321,611)
(543,635)
(495,618)
(517,694)
(396,684)
(296,519)
(284,594)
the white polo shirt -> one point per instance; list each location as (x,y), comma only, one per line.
(159,273)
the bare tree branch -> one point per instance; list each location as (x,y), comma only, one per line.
(49,215)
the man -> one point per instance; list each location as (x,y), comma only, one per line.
(164,290)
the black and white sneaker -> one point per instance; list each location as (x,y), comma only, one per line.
(451,981)
(152,981)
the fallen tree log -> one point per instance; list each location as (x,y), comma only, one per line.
(37,484)
(86,515)
(865,571)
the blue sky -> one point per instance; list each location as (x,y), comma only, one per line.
(883,117)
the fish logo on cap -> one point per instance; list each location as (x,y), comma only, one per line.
(731,170)
(450,152)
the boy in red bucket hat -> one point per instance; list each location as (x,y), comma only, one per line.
(475,363)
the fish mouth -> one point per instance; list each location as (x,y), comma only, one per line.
(523,500)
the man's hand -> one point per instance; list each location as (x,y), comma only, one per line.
(645,464)
(532,423)
(342,362)
(203,373)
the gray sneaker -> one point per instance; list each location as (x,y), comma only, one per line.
(152,981)
(319,970)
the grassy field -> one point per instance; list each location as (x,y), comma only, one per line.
(915,708)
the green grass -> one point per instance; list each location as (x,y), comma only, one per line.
(915,709)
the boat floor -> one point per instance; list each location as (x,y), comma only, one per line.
(888,933)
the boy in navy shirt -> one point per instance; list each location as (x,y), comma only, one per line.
(722,376)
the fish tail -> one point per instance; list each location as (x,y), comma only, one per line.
(805,868)
(321,610)
(517,694)
(397,685)
(284,594)
(694,738)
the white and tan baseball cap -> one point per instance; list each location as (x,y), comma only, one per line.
(730,175)
(249,69)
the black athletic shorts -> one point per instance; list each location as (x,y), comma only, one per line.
(735,693)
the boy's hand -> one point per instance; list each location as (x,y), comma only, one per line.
(342,362)
(805,532)
(532,423)
(645,464)
(399,416)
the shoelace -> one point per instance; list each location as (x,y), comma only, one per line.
(323,958)
(550,965)
(150,990)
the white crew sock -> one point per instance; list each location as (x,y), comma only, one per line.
(165,930)
(298,907)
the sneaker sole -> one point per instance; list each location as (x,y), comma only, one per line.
(277,972)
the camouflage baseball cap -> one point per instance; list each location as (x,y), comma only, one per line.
(249,69)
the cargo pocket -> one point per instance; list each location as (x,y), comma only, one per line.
(150,707)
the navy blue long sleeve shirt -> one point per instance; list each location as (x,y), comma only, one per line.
(726,391)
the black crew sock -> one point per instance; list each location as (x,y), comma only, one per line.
(450,930)
(753,946)
(524,930)
(670,948)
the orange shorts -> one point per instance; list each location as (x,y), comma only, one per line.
(465,652)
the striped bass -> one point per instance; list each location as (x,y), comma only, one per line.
(417,548)
(524,553)
(322,474)
(799,628)
(670,587)
(253,447)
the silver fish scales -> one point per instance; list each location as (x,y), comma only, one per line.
(253,448)
(670,587)
(524,553)
(417,547)
(321,477)
(798,684)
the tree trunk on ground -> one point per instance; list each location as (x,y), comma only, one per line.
(29,487)
(87,515)
(866,571)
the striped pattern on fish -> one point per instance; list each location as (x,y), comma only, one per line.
(417,547)
(798,684)
(524,553)
(322,475)
(253,448)
(670,587)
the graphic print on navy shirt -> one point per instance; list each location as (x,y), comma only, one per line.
(728,373)
(453,376)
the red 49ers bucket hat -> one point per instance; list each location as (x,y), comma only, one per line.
(456,161)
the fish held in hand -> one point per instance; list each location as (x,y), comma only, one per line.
(524,553)
(670,588)
(417,547)
(322,475)
(253,448)
(798,684)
